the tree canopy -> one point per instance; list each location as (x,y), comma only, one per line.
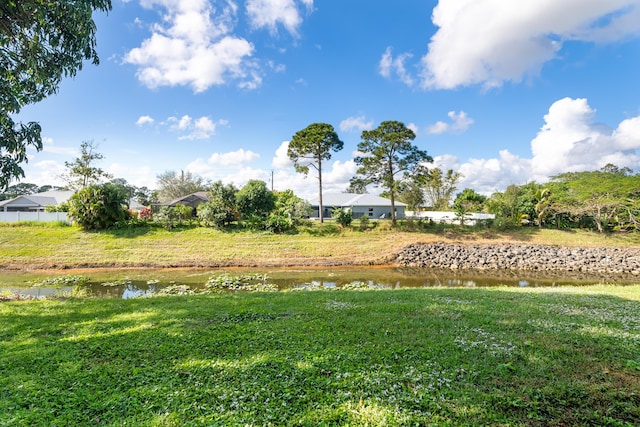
(83,171)
(172,185)
(255,200)
(310,147)
(439,187)
(41,41)
(388,156)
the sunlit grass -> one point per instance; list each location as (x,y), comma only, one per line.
(31,246)
(500,356)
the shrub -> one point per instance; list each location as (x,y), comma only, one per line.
(98,207)
(168,217)
(215,214)
(254,199)
(342,216)
(279,223)
(62,207)
(146,214)
(364,222)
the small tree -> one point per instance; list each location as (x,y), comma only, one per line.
(292,206)
(466,202)
(172,185)
(343,216)
(220,210)
(310,147)
(439,187)
(388,156)
(255,200)
(82,171)
(98,206)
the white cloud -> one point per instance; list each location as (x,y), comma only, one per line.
(489,42)
(140,176)
(144,120)
(192,46)
(390,66)
(233,158)
(460,122)
(192,129)
(356,123)
(569,141)
(48,146)
(45,172)
(281,159)
(271,13)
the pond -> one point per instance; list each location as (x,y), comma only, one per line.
(130,283)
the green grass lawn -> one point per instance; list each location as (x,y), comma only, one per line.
(29,246)
(502,356)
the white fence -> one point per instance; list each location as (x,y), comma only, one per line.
(449,217)
(33,216)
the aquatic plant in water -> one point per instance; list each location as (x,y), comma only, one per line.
(67,280)
(243,282)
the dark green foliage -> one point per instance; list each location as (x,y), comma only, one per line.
(255,200)
(310,147)
(41,41)
(279,223)
(388,157)
(342,216)
(220,210)
(466,202)
(173,216)
(292,206)
(62,207)
(98,206)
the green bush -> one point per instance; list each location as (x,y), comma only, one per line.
(342,216)
(279,223)
(62,207)
(98,207)
(214,214)
(172,216)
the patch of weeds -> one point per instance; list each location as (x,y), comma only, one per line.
(14,296)
(339,305)
(67,280)
(176,289)
(362,286)
(121,282)
(244,282)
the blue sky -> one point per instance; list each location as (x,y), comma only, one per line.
(504,92)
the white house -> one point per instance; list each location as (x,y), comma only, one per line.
(35,202)
(372,206)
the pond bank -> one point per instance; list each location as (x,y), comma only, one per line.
(519,257)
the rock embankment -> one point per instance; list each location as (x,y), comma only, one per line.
(624,261)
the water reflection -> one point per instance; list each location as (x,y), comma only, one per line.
(127,283)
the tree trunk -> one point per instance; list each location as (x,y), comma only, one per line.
(393,207)
(320,207)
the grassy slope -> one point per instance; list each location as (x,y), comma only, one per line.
(518,357)
(33,246)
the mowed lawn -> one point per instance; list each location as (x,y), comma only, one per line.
(45,246)
(501,356)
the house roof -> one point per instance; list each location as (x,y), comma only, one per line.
(46,198)
(352,200)
(189,198)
